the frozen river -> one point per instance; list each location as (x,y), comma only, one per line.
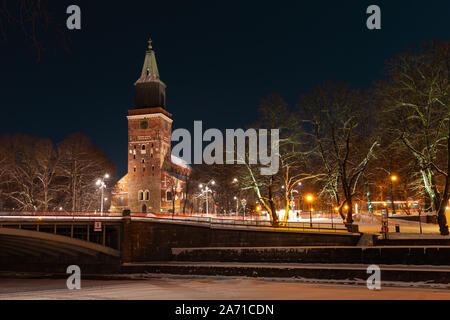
(208,289)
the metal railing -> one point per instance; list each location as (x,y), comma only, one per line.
(212,220)
(251,221)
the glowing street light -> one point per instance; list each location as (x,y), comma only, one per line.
(237,204)
(205,191)
(310,199)
(393,179)
(101,183)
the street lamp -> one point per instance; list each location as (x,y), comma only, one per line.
(205,191)
(101,183)
(310,199)
(392,180)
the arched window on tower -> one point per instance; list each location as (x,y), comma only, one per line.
(147,195)
(141,195)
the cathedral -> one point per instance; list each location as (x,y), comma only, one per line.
(156,180)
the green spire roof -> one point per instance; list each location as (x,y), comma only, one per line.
(150,68)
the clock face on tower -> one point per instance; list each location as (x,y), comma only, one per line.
(144,124)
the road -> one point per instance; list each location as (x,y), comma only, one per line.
(173,288)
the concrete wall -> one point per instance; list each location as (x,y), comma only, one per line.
(331,255)
(152,241)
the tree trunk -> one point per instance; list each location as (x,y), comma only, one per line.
(173,201)
(186,196)
(442,219)
(288,205)
(275,221)
(350,211)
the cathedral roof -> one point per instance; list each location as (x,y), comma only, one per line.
(150,71)
(180,162)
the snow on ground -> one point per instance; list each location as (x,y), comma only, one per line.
(214,288)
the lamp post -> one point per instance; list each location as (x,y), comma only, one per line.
(207,190)
(310,198)
(392,180)
(101,183)
(236,181)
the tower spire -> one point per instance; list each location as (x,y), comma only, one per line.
(150,68)
(149,89)
(150,44)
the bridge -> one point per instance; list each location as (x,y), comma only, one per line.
(45,242)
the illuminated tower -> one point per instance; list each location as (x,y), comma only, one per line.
(149,133)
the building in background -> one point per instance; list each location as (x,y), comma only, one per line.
(156,180)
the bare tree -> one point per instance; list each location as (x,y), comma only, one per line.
(46,162)
(416,101)
(80,165)
(334,117)
(37,22)
(22,189)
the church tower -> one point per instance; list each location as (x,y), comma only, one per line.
(149,136)
(156,180)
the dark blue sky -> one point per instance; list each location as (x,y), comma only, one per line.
(218,58)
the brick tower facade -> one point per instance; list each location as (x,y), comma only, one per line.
(149,132)
(155,179)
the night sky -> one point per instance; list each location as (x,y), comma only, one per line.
(218,59)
